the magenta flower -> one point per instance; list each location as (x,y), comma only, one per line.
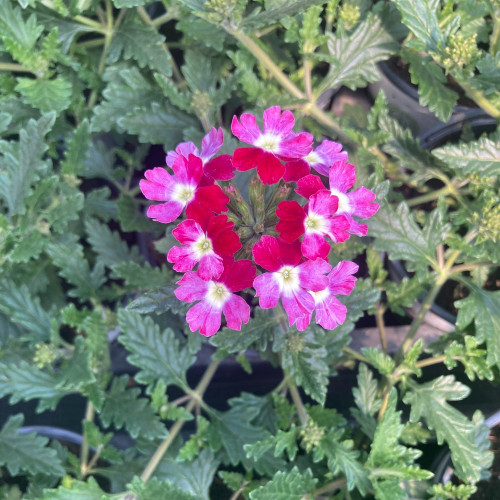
(181,190)
(216,297)
(326,154)
(315,221)
(358,202)
(276,142)
(219,169)
(205,242)
(288,278)
(330,312)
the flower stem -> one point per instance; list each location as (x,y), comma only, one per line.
(354,354)
(297,401)
(379,317)
(467,267)
(84,455)
(13,67)
(430,361)
(331,487)
(478,97)
(197,396)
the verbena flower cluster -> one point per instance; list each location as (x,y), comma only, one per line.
(285,242)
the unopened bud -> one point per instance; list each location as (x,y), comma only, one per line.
(460,51)
(256,192)
(349,15)
(311,435)
(237,205)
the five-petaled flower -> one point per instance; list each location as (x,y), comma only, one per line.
(290,278)
(276,142)
(181,190)
(217,296)
(342,177)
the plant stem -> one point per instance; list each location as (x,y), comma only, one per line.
(478,97)
(89,22)
(430,361)
(18,68)
(165,18)
(433,195)
(197,396)
(354,354)
(330,487)
(468,267)
(379,317)
(97,42)
(84,454)
(385,402)
(297,400)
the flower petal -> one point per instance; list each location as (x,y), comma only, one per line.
(330,312)
(342,176)
(312,274)
(309,185)
(341,278)
(266,253)
(220,168)
(276,123)
(165,212)
(314,245)
(361,202)
(295,170)
(269,168)
(246,131)
(246,158)
(205,317)
(236,311)
(339,227)
(267,289)
(238,275)
(211,143)
(191,287)
(291,224)
(298,305)
(211,267)
(182,258)
(296,146)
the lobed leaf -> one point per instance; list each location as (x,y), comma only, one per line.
(292,485)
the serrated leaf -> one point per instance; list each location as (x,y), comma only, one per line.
(258,330)
(193,477)
(46,95)
(79,490)
(292,485)
(159,301)
(423,22)
(432,90)
(77,149)
(488,79)
(429,400)
(156,353)
(142,277)
(353,57)
(21,160)
(362,298)
(379,360)
(131,217)
(480,157)
(138,41)
(17,303)
(98,204)
(365,397)
(404,293)
(484,307)
(29,247)
(397,233)
(155,489)
(109,245)
(27,452)
(14,28)
(202,31)
(124,408)
(25,382)
(128,3)
(77,371)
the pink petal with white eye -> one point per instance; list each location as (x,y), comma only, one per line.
(191,287)
(236,312)
(361,202)
(276,123)
(246,130)
(205,317)
(341,278)
(166,212)
(342,176)
(267,289)
(330,312)
(211,143)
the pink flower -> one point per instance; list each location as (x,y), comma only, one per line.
(358,202)
(206,242)
(220,168)
(181,190)
(216,297)
(276,142)
(330,312)
(315,220)
(320,159)
(288,278)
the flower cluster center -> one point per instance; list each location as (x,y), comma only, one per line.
(344,205)
(312,158)
(315,223)
(268,142)
(202,246)
(320,296)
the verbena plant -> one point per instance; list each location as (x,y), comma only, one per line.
(86,88)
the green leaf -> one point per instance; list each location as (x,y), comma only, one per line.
(141,42)
(128,3)
(305,358)
(258,330)
(16,302)
(196,442)
(367,401)
(77,148)
(234,429)
(131,217)
(14,29)
(143,277)
(193,477)
(404,293)
(27,452)
(68,257)
(159,301)
(488,79)
(292,485)
(431,81)
(98,204)
(353,57)
(156,353)
(474,359)
(155,489)
(379,360)
(480,157)
(397,233)
(79,490)
(429,401)
(202,31)
(109,245)
(422,20)
(46,95)
(25,382)
(29,247)
(124,408)
(21,162)
(483,307)
(77,371)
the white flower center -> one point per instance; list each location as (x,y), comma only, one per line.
(202,246)
(288,279)
(312,158)
(268,142)
(320,296)
(344,205)
(315,224)
(217,294)
(183,193)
